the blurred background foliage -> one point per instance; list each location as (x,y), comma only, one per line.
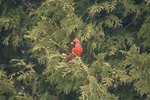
(35,37)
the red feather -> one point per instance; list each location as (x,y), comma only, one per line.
(77,50)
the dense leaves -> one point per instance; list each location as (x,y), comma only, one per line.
(35,37)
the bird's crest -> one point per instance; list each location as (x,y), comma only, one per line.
(76,40)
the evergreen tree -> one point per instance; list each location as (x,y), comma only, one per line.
(35,37)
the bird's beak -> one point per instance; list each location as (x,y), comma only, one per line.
(72,44)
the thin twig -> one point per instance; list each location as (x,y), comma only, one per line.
(59,46)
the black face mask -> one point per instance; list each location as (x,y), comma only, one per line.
(72,44)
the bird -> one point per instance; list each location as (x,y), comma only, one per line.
(76,50)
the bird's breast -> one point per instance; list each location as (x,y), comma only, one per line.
(77,51)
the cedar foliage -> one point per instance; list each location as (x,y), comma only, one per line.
(35,37)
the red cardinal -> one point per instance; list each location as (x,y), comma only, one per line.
(77,50)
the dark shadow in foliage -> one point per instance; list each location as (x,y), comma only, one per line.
(126,92)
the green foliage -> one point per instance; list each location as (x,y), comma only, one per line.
(35,38)
(74,73)
(93,90)
(105,6)
(113,22)
(7,90)
(139,71)
(144,33)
